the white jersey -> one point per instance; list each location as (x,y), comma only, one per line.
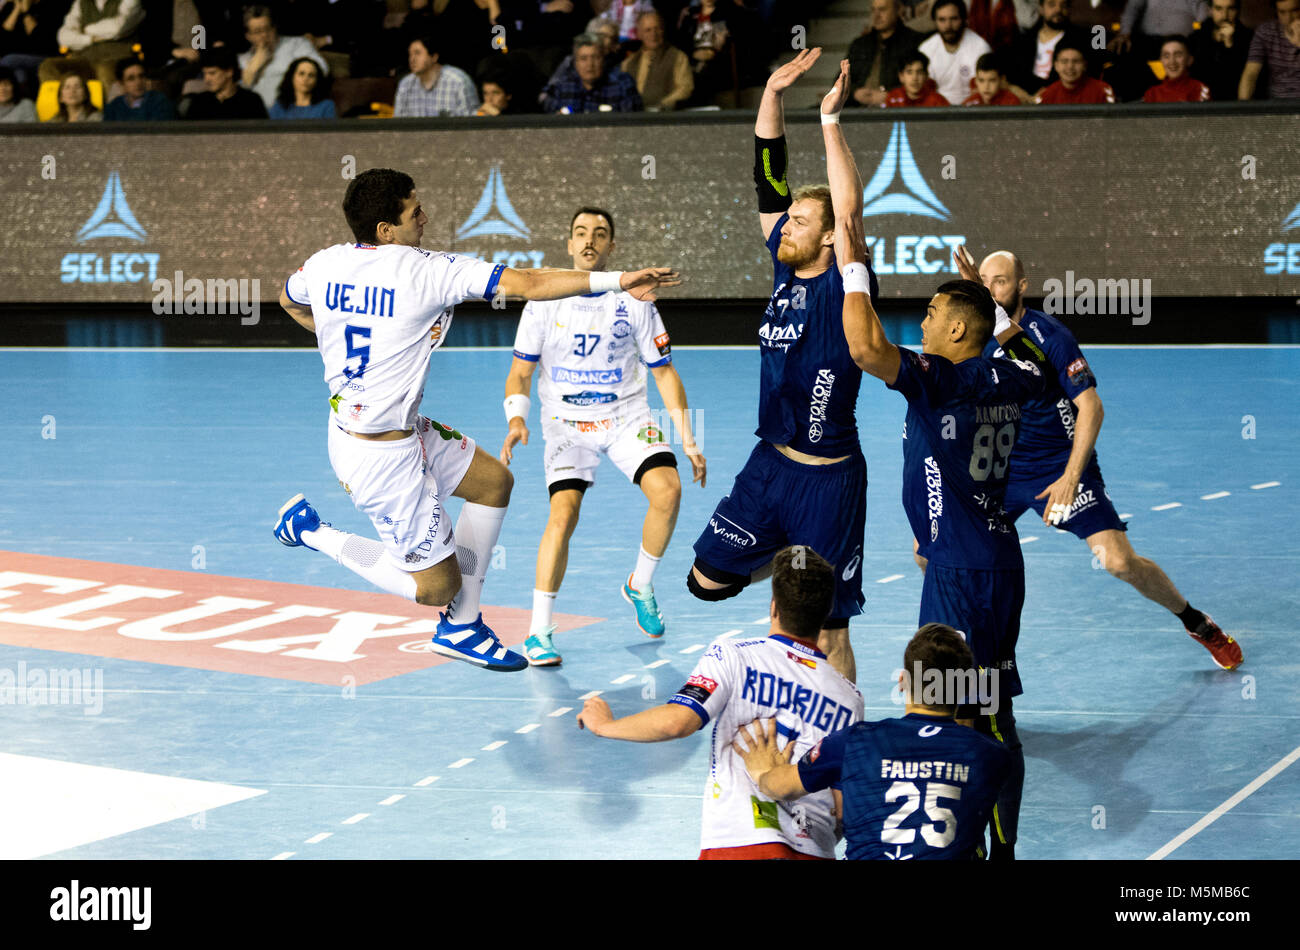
(592,349)
(738,681)
(380,312)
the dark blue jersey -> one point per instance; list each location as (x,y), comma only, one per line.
(809,384)
(1047,422)
(962,423)
(916,787)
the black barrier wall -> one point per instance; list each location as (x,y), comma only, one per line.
(1107,208)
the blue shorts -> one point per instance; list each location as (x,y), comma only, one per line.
(1091,512)
(983,605)
(776,502)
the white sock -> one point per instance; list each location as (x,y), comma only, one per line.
(643,578)
(361,556)
(543,604)
(477,530)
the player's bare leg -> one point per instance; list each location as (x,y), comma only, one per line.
(552,562)
(1115,553)
(663,492)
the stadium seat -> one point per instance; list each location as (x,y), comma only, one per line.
(363,96)
(47,98)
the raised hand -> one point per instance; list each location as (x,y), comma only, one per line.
(785,76)
(834,100)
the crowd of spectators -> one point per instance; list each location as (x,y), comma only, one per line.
(155,60)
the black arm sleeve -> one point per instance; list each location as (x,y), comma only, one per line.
(769,175)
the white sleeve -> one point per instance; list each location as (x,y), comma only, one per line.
(295,288)
(651,337)
(455,278)
(709,687)
(528,337)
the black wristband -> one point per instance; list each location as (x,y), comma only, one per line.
(769,175)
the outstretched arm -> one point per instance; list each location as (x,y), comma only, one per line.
(769,130)
(842,170)
(552,284)
(669,721)
(868,345)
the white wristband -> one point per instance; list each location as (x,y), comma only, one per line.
(604,281)
(832,119)
(1002,322)
(856,279)
(517,405)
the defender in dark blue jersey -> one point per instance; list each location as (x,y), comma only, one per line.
(922,786)
(963,416)
(1054,468)
(806,480)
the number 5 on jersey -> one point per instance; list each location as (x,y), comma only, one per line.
(350,333)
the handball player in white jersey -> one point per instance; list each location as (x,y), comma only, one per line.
(591,351)
(379,307)
(782,676)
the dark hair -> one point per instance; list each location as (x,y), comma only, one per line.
(588,210)
(89,105)
(218,57)
(374,196)
(959,4)
(286,96)
(988,63)
(431,44)
(975,306)
(7,73)
(940,648)
(803,591)
(1176,38)
(257,11)
(123,64)
(916,56)
(1065,44)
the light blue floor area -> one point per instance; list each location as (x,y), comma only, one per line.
(1131,734)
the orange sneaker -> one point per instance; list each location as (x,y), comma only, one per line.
(1224,649)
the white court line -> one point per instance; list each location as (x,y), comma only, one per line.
(284,855)
(732,633)
(1271,772)
(656,664)
(524,730)
(317,839)
(1166,507)
(460,763)
(493,746)
(392,799)
(1265,485)
(620,680)
(763,620)
(428,780)
(1214,495)
(1032,537)
(592,695)
(890,579)
(1124,516)
(362,816)
(560,712)
(694,648)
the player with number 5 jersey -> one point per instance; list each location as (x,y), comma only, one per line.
(379,307)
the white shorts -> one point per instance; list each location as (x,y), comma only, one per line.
(402,485)
(573,448)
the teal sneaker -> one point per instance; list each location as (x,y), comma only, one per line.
(648,617)
(540,650)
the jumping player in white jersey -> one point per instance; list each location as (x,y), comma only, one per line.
(782,676)
(593,392)
(379,308)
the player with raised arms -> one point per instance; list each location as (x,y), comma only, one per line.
(963,415)
(379,307)
(591,351)
(1054,468)
(920,786)
(806,480)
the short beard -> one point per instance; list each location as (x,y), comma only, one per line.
(794,258)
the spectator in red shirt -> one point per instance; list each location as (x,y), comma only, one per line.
(1075,87)
(1178,84)
(989,90)
(917,88)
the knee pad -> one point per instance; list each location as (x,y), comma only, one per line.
(705,593)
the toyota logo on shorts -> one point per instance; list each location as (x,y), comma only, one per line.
(815,432)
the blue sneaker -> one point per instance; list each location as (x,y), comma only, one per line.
(648,617)
(475,643)
(296,516)
(541,651)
